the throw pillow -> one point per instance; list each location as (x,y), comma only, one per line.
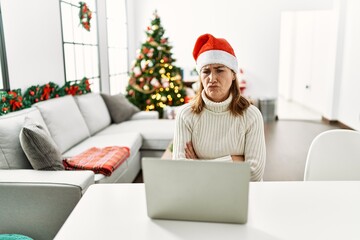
(39,147)
(119,107)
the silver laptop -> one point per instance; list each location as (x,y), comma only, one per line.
(196,190)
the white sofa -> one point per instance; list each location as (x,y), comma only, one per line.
(36,203)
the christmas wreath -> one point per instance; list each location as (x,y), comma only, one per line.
(85,15)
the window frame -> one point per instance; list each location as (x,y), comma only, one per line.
(84,44)
(3,58)
(118,75)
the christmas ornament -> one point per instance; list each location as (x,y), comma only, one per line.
(137,71)
(143,64)
(155,82)
(242,83)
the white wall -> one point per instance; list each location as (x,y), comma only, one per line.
(34,44)
(251,27)
(349,99)
(33,41)
(286,55)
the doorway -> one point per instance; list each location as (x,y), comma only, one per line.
(307,63)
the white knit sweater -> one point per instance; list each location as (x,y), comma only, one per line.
(216,134)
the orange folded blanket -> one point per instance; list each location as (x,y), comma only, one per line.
(100,160)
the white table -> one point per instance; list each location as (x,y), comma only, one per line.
(277,210)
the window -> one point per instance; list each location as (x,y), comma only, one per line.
(81,48)
(117,45)
(4,82)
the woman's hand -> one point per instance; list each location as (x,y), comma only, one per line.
(238,158)
(189,151)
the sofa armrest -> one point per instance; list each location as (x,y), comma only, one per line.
(37,203)
(145,115)
(80,179)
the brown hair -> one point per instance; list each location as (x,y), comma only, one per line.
(238,103)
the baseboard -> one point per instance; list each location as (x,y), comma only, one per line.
(335,123)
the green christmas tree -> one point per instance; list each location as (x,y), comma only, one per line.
(154,81)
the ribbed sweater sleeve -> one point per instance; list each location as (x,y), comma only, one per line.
(255,150)
(183,131)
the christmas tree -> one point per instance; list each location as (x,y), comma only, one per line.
(154,81)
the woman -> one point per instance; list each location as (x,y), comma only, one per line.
(219,124)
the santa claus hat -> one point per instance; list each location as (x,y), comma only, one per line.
(210,50)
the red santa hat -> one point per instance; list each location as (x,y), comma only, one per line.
(210,50)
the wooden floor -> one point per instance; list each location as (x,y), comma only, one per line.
(287,144)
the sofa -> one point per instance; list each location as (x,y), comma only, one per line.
(36,203)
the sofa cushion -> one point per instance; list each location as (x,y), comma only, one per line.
(131,140)
(145,115)
(119,107)
(64,121)
(11,153)
(156,133)
(94,111)
(39,147)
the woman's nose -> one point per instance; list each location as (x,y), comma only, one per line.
(212,77)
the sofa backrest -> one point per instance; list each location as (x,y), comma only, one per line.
(64,121)
(11,153)
(94,111)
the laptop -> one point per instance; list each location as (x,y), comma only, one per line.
(196,190)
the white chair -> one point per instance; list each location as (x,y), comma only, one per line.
(334,155)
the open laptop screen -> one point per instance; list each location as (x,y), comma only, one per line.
(196,190)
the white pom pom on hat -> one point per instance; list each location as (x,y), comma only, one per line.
(211,50)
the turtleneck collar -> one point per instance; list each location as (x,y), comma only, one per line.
(216,106)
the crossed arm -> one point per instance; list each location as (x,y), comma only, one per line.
(191,154)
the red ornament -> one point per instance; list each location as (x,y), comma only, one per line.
(242,86)
(12,94)
(145,50)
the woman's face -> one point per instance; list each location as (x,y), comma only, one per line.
(216,80)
